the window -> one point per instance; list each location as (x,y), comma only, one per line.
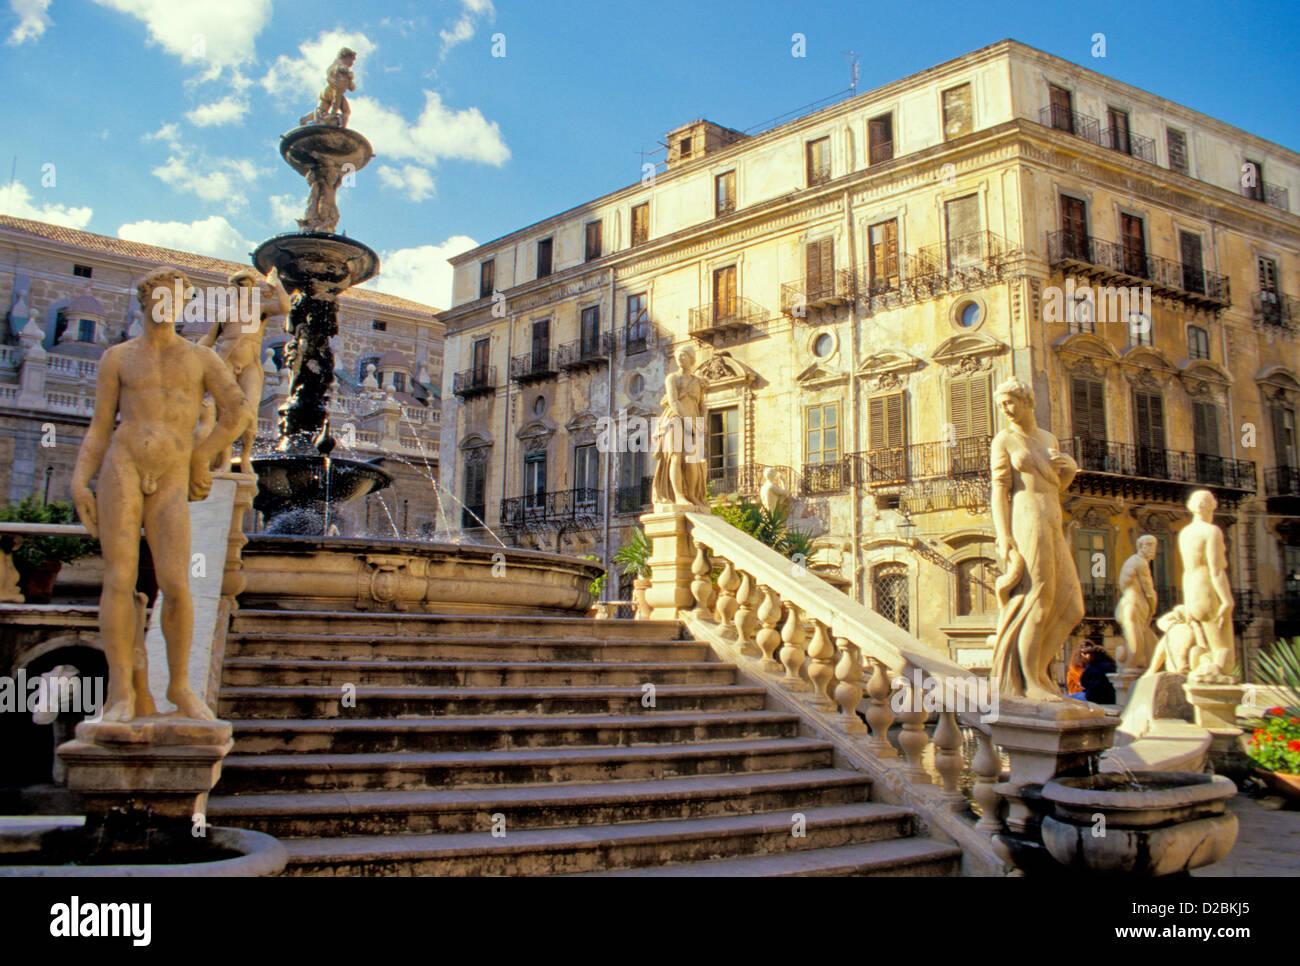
(969,315)
(1074,228)
(475,492)
(886,439)
(957,112)
(1141,330)
(724,293)
(724,449)
(534,481)
(819,263)
(1149,434)
(541,344)
(684,148)
(593,240)
(638,323)
(1198,342)
(1267,272)
(1205,430)
(1083,312)
(1176,145)
(544,257)
(589,323)
(1253,175)
(85,330)
(882,240)
(969,409)
(823,345)
(634,491)
(975,587)
(487,278)
(822,433)
(379,325)
(889,594)
(586,474)
(1133,240)
(641,223)
(1284,440)
(1088,404)
(1189,245)
(1119,139)
(724,193)
(82,271)
(880,139)
(480,376)
(1061,108)
(962,217)
(818,157)
(399,382)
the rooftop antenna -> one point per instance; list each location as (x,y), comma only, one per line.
(853,69)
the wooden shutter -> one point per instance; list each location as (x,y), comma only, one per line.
(1283,442)
(1135,249)
(724,292)
(475,483)
(593,240)
(884,255)
(480,355)
(1176,142)
(1062,109)
(1074,220)
(819,262)
(1268,276)
(1119,139)
(541,340)
(1205,428)
(1088,407)
(959,407)
(1150,428)
(968,407)
(981,412)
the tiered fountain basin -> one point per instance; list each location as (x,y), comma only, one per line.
(348,574)
(1149,823)
(293,491)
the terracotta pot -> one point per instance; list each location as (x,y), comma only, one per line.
(38,585)
(1284,783)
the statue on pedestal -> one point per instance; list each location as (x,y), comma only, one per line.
(772,494)
(333,107)
(1040,599)
(679,438)
(148,467)
(1137,606)
(1207,595)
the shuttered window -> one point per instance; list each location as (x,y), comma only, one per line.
(476,484)
(724,293)
(593,248)
(1074,222)
(586,473)
(1189,246)
(1205,428)
(486,277)
(963,224)
(1088,399)
(1062,108)
(957,112)
(886,421)
(1149,434)
(1119,139)
(544,248)
(541,342)
(880,139)
(1198,342)
(819,263)
(883,242)
(1176,144)
(818,157)
(968,407)
(640,223)
(1133,239)
(1284,435)
(480,359)
(724,193)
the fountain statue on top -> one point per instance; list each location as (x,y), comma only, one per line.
(299,483)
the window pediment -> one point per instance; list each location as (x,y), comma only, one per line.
(723,371)
(956,352)
(817,376)
(1085,344)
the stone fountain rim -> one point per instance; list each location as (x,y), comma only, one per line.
(1194,788)
(289,542)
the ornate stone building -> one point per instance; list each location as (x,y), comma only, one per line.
(70,294)
(860,279)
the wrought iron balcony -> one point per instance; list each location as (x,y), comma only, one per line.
(1131,462)
(719,318)
(880,152)
(586,353)
(532,366)
(1114,262)
(569,509)
(641,336)
(1135,145)
(835,288)
(634,498)
(474,382)
(820,479)
(1071,122)
(1098,602)
(896,465)
(746,479)
(473,517)
(1282,481)
(965,262)
(1276,310)
(1271,194)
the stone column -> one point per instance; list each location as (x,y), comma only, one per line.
(670,561)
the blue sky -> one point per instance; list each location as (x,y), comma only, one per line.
(161,117)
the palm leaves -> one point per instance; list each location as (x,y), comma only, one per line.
(634,556)
(770,527)
(1280,667)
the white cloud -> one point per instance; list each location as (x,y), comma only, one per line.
(462,30)
(32,20)
(304,75)
(286,210)
(414,180)
(16,200)
(200,32)
(169,132)
(438,133)
(421,274)
(228,110)
(212,179)
(208,236)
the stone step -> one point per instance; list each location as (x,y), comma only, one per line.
(326,702)
(375,646)
(251,672)
(524,766)
(588,849)
(451,625)
(894,857)
(497,732)
(297,814)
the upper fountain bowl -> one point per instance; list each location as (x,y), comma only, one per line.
(318,263)
(311,145)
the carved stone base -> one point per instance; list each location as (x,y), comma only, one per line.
(670,563)
(1045,740)
(1214,707)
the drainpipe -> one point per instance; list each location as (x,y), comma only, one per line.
(855,587)
(505,430)
(609,457)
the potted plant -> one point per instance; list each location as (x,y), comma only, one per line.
(633,558)
(38,559)
(1275,744)
(595,587)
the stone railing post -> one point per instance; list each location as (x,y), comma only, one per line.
(821,667)
(913,739)
(725,609)
(702,586)
(987,767)
(748,599)
(880,716)
(670,563)
(848,692)
(792,653)
(768,637)
(947,757)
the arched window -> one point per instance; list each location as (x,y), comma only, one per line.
(889,594)
(975,587)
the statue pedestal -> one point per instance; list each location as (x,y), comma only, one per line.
(670,561)
(1214,707)
(1123,681)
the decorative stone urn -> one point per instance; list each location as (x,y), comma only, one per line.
(1145,824)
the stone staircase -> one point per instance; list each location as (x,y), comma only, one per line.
(413,744)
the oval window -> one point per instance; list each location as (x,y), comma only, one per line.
(969,315)
(823,345)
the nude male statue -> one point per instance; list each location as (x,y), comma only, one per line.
(1137,605)
(1207,595)
(148,467)
(338,81)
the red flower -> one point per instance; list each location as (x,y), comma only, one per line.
(1295,720)
(1279,711)
(1258,732)
(1293,744)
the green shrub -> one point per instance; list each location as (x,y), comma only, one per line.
(35,550)
(769,527)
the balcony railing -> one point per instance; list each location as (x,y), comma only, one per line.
(579,508)
(1276,310)
(726,316)
(1098,601)
(1271,194)
(532,366)
(820,479)
(1188,283)
(1135,145)
(474,382)
(640,337)
(1282,481)
(746,479)
(880,152)
(896,465)
(634,498)
(1072,122)
(964,262)
(834,288)
(584,353)
(1130,460)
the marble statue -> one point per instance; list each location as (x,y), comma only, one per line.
(239,344)
(333,107)
(370,382)
(1136,606)
(1207,596)
(322,212)
(1181,644)
(1040,599)
(679,438)
(148,466)
(772,494)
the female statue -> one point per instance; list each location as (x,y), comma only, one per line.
(679,438)
(1039,594)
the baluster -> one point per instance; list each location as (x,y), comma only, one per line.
(821,667)
(746,620)
(879,714)
(768,637)
(702,586)
(913,738)
(848,692)
(725,610)
(987,767)
(792,654)
(947,756)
